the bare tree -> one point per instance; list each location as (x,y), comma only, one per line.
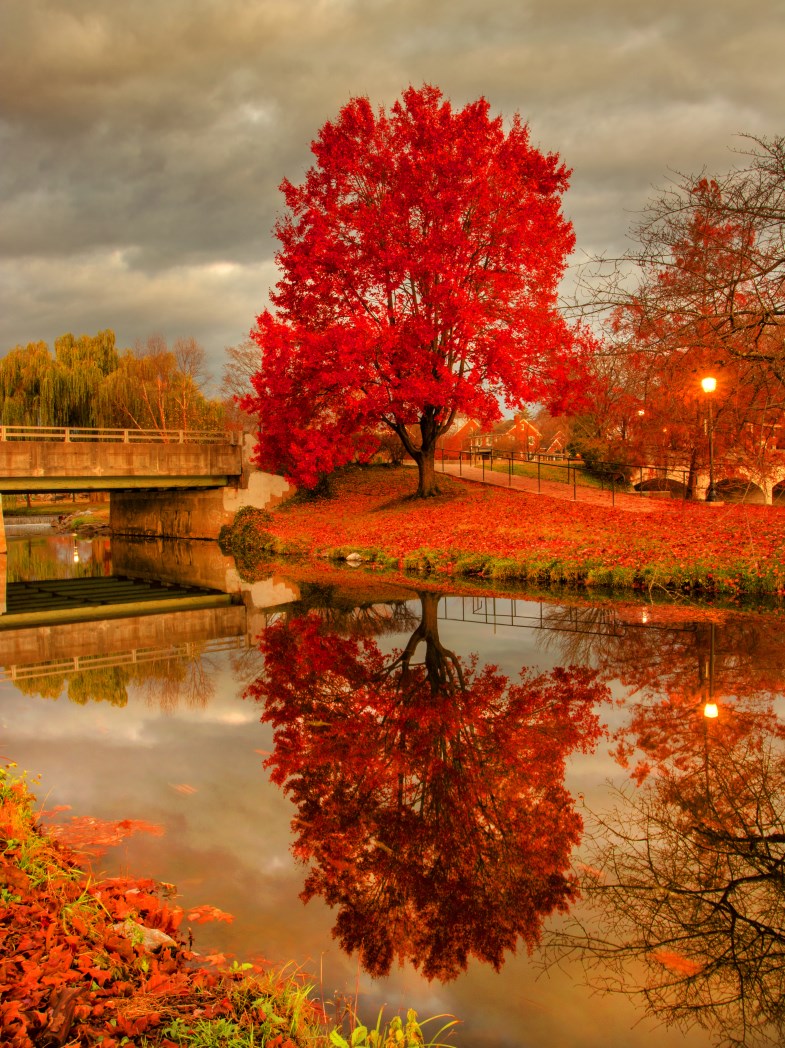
(702,291)
(190,377)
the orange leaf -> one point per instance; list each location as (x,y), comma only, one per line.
(202,914)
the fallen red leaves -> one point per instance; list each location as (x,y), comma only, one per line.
(682,543)
(62,963)
(202,914)
(88,836)
(76,962)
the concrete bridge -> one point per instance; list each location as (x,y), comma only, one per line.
(52,459)
(163,482)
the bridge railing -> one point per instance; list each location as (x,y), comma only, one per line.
(80,663)
(78,434)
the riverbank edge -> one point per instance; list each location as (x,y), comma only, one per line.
(253,545)
(101,961)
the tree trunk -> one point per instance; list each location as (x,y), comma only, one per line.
(425,454)
(692,475)
(443,669)
(426,465)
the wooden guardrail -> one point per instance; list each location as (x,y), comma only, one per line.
(78,434)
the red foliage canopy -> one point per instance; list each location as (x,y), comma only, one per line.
(420,260)
(702,308)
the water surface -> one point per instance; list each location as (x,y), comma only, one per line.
(437,806)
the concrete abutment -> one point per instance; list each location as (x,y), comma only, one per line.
(192,514)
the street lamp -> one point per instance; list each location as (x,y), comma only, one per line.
(708,385)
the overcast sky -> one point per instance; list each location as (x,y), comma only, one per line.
(143,141)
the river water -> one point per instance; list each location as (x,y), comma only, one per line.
(446,778)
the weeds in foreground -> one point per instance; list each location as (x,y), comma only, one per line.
(395,1034)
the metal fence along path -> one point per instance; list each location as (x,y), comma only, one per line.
(568,490)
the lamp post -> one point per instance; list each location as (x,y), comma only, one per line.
(708,385)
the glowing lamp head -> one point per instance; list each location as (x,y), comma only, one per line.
(708,384)
(710,710)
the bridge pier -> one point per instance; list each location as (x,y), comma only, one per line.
(197,514)
(192,514)
(170,514)
(701,486)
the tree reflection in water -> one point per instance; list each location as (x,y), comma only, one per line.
(685,875)
(656,651)
(430,792)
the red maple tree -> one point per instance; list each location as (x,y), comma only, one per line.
(420,259)
(430,794)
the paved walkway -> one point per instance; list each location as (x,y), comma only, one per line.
(553,489)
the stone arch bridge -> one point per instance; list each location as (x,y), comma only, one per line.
(733,482)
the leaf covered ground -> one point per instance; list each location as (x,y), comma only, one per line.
(471,529)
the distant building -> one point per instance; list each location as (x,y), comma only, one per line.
(459,436)
(558,445)
(518,435)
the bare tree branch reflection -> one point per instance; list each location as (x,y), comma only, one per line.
(685,883)
(187,682)
(667,650)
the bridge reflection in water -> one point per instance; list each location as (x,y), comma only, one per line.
(163,600)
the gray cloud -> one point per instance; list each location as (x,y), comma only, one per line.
(143,142)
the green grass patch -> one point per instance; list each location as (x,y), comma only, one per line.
(426,561)
(557,474)
(472,564)
(505,568)
(16,506)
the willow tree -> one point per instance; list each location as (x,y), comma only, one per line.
(88,383)
(24,394)
(41,389)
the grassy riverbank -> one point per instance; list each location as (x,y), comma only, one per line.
(103,962)
(43,506)
(474,530)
